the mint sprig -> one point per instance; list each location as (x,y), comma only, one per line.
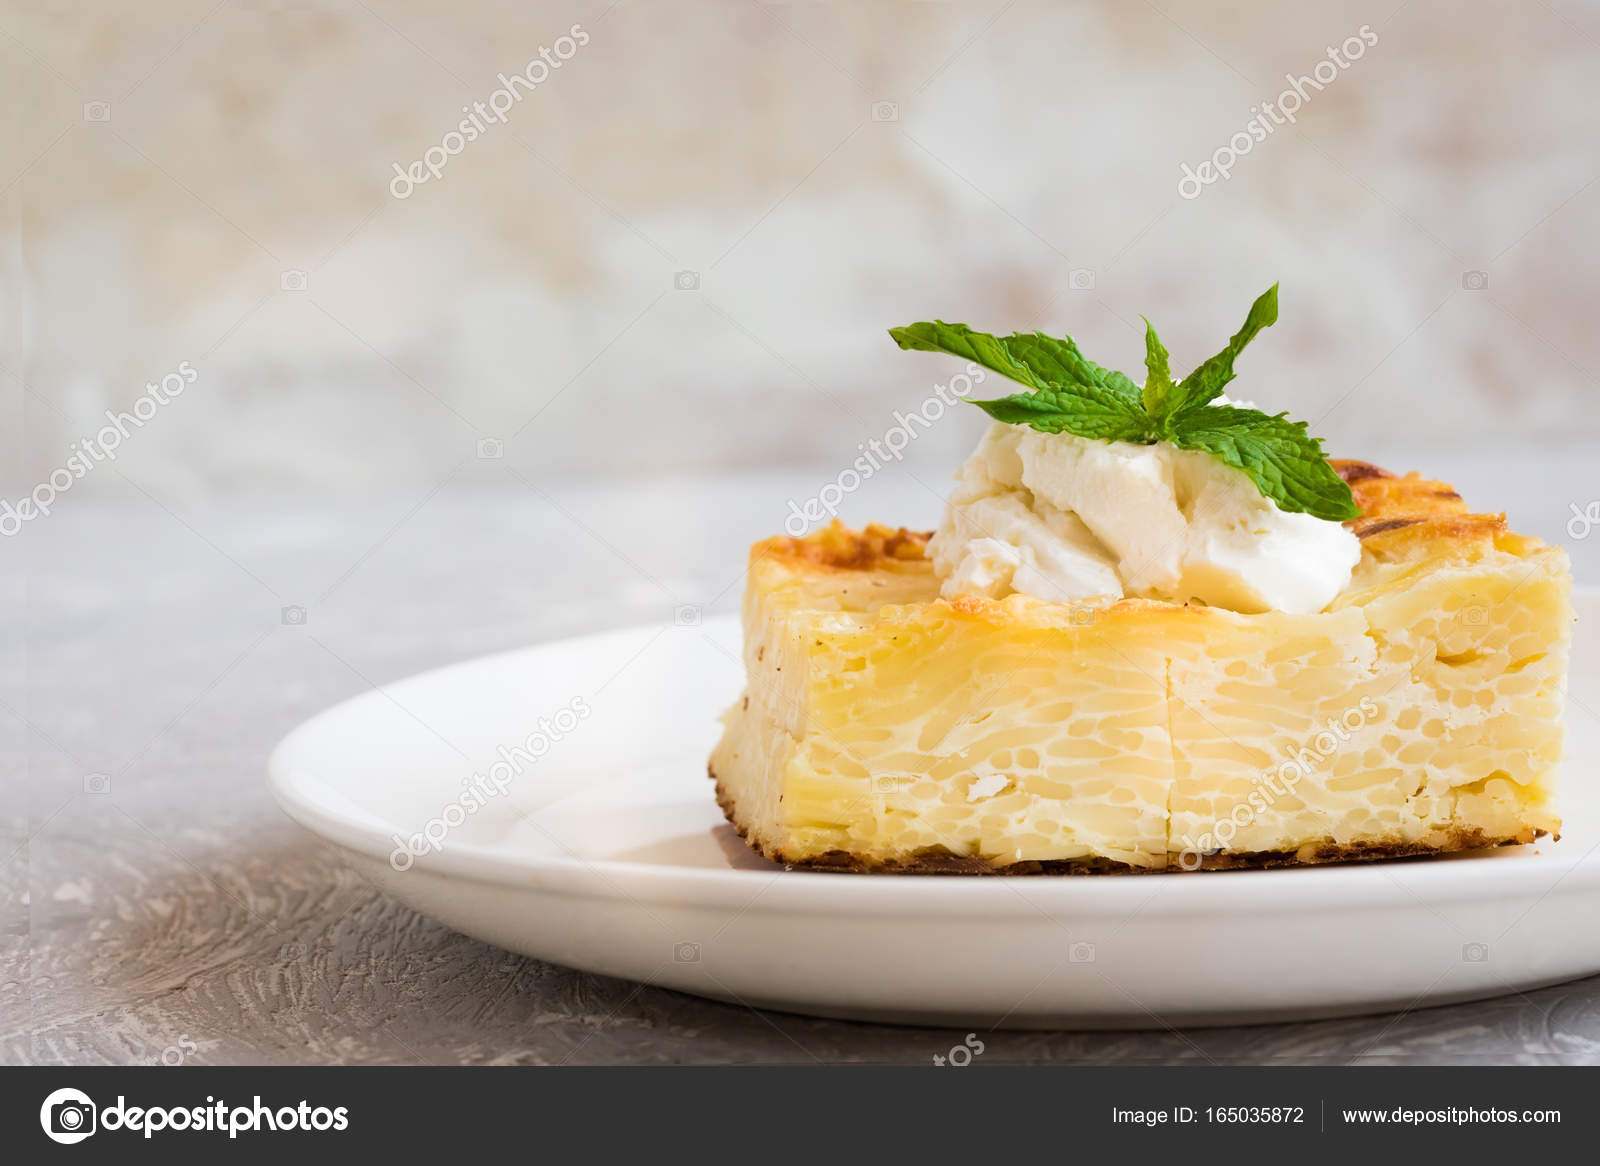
(1071,394)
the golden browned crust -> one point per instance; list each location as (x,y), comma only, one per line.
(943,863)
(837,547)
(1405,516)
(1456,840)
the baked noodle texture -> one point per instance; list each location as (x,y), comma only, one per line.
(887,729)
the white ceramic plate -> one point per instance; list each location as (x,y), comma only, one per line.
(607,853)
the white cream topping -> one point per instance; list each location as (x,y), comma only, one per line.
(1067,518)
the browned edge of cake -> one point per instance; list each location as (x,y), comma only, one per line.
(940,863)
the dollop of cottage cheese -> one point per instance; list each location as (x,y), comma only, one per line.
(1066,519)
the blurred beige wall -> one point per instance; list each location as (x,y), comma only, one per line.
(210,183)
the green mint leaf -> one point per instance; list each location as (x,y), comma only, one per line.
(959,340)
(1071,393)
(1029,358)
(1158,386)
(1062,363)
(1084,410)
(1284,461)
(1205,384)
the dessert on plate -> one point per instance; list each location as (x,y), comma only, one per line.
(1156,630)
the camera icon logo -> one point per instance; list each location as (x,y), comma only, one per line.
(98,784)
(686,281)
(68,1116)
(1475,280)
(292,280)
(1583,521)
(294,616)
(1080,279)
(96,111)
(1081,615)
(885,111)
(1081,953)
(1475,953)
(686,615)
(686,953)
(490,448)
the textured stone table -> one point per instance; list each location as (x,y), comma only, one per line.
(156,905)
